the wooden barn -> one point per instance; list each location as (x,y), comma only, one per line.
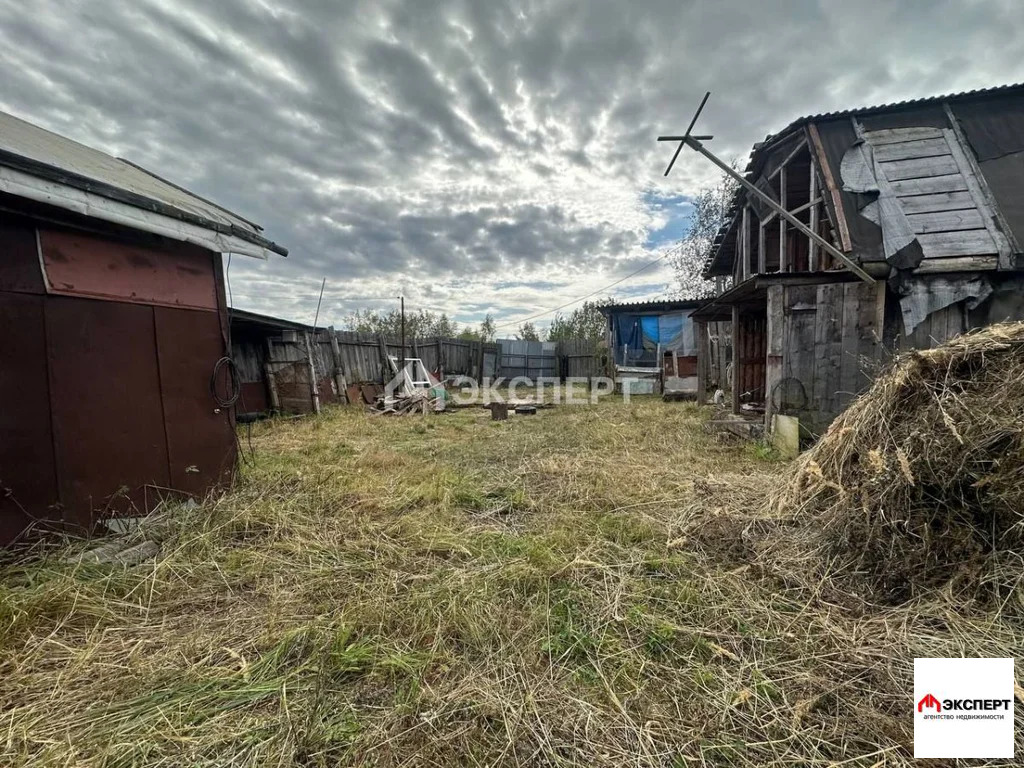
(925,199)
(113,358)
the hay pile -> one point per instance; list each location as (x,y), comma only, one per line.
(920,483)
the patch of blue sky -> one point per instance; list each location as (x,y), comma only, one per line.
(673,212)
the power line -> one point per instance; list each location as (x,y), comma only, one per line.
(592,293)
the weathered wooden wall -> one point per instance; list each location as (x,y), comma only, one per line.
(284,366)
(823,348)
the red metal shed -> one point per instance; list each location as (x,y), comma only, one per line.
(112,322)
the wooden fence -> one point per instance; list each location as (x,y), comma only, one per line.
(296,371)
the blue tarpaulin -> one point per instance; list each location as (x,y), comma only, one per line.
(637,337)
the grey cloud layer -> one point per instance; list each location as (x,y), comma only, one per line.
(441,148)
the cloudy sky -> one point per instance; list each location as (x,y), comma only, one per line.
(474,155)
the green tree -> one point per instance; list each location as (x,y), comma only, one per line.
(488,328)
(528,332)
(710,207)
(418,323)
(584,322)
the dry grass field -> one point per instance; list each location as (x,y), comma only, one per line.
(579,587)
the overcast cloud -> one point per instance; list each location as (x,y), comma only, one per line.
(477,156)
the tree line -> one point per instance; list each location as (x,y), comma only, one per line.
(690,258)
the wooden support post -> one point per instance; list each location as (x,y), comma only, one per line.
(703,362)
(812,253)
(268,373)
(480,363)
(852,265)
(783,255)
(774,349)
(833,190)
(339,372)
(762,255)
(978,186)
(314,391)
(440,359)
(736,354)
(745,240)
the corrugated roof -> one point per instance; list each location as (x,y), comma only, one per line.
(759,148)
(1009,89)
(655,305)
(33,151)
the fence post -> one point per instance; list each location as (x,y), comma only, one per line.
(268,372)
(314,393)
(339,373)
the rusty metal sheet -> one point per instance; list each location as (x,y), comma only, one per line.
(19,265)
(354,393)
(200,440)
(254,398)
(107,415)
(79,264)
(327,389)
(28,476)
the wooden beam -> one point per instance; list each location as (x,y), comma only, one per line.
(783,261)
(735,359)
(762,256)
(703,361)
(314,392)
(812,253)
(796,151)
(770,202)
(745,234)
(1000,228)
(339,372)
(830,184)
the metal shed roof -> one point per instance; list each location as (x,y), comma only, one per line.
(42,166)
(761,150)
(656,305)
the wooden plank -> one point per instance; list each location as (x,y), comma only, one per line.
(905,150)
(784,265)
(745,250)
(795,151)
(970,242)
(919,168)
(799,352)
(946,221)
(898,135)
(978,188)
(953,182)
(762,255)
(819,157)
(957,264)
(942,201)
(812,256)
(776,294)
(849,362)
(825,360)
(703,361)
(735,359)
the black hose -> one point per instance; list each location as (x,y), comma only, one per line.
(234,383)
